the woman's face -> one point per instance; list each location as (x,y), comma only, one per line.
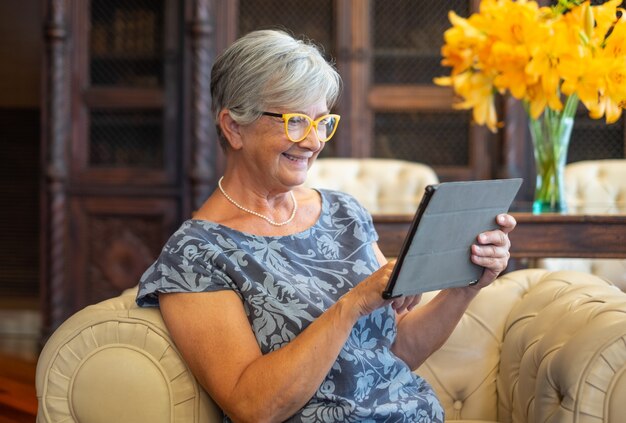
(275,159)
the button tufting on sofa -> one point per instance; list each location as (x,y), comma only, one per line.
(381,185)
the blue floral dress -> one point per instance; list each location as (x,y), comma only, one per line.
(285,283)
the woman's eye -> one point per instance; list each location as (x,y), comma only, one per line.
(297,121)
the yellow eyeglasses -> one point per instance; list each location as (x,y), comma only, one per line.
(298,125)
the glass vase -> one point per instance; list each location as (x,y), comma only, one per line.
(551,134)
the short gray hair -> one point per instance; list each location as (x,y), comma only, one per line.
(268,69)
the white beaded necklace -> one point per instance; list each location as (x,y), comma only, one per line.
(270,221)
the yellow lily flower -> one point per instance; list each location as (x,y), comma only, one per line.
(538,55)
(477,93)
(537,100)
(608,108)
(511,62)
(605,16)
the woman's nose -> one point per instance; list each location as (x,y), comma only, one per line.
(312,141)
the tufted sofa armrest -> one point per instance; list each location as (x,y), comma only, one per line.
(380,185)
(536,346)
(115,362)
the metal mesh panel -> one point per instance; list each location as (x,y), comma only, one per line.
(437,139)
(311,18)
(126,43)
(593,139)
(126,139)
(408,38)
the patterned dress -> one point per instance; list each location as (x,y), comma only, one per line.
(285,283)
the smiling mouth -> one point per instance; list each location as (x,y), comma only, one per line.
(295,158)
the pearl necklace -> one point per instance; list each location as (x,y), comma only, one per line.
(270,221)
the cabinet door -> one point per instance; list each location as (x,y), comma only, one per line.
(125,92)
(411,118)
(113,241)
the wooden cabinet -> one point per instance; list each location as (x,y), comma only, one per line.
(407,116)
(118,138)
(125,85)
(117,238)
(129,145)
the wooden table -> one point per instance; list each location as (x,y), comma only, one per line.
(536,236)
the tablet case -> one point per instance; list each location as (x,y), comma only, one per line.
(436,251)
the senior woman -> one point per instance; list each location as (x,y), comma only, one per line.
(272,292)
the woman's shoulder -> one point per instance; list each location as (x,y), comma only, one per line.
(195,229)
(340,208)
(333,196)
(339,199)
(197,232)
(188,262)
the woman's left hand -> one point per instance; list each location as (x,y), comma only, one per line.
(492,250)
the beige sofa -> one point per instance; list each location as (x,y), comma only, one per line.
(533,347)
(594,187)
(369,181)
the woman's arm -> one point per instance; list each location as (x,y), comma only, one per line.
(213,334)
(424,330)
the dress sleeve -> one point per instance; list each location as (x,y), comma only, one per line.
(187,263)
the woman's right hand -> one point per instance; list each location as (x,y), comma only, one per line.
(367,295)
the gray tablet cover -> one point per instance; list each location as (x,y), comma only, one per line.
(436,252)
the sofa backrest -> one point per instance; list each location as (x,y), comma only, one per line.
(594,186)
(380,185)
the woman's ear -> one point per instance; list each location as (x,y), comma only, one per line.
(230,129)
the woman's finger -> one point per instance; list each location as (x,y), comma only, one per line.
(489,250)
(496,237)
(506,221)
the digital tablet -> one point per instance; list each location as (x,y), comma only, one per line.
(436,251)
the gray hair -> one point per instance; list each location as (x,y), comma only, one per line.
(267,69)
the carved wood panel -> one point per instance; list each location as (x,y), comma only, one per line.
(113,241)
(55,133)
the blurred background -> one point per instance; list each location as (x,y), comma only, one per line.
(108,143)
